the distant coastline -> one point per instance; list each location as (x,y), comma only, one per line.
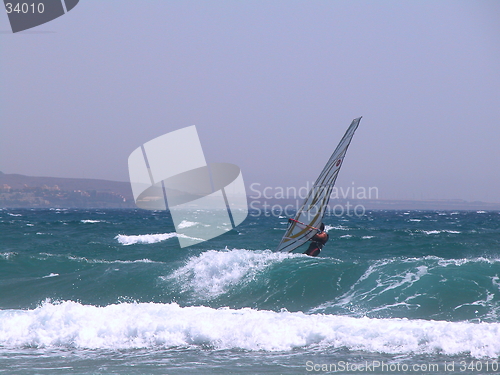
(20,191)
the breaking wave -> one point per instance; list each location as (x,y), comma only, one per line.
(148,325)
(214,272)
(149,238)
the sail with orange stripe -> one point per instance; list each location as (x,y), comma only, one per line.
(310,215)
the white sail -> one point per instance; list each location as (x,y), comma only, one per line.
(310,215)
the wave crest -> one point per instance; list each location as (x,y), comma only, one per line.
(147,325)
(149,238)
(213,273)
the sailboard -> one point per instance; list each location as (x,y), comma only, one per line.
(310,215)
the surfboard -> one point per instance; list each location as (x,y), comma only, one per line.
(310,215)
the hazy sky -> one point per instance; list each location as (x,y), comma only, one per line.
(271,86)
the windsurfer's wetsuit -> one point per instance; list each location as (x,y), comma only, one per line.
(318,241)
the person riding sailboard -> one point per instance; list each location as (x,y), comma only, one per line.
(304,227)
(317,242)
(319,239)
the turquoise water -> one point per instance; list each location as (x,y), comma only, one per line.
(111,292)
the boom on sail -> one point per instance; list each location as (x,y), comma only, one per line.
(310,215)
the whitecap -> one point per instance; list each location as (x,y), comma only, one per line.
(440,231)
(149,238)
(213,272)
(7,255)
(50,275)
(154,325)
(186,224)
(337,227)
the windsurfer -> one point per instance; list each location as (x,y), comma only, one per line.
(318,241)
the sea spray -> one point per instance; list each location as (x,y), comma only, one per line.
(150,325)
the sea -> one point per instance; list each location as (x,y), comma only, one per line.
(109,291)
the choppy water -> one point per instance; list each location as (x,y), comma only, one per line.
(110,291)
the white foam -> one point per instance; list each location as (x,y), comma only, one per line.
(8,255)
(337,227)
(148,325)
(213,273)
(459,262)
(50,275)
(82,259)
(186,224)
(440,231)
(383,284)
(91,221)
(408,278)
(431,231)
(403,279)
(149,238)
(87,260)
(495,281)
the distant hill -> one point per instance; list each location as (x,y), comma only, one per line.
(27,191)
(17,190)
(18,181)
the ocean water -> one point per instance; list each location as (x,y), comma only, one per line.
(111,292)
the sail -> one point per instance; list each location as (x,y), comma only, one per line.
(310,215)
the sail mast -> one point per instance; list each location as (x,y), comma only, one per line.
(310,215)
